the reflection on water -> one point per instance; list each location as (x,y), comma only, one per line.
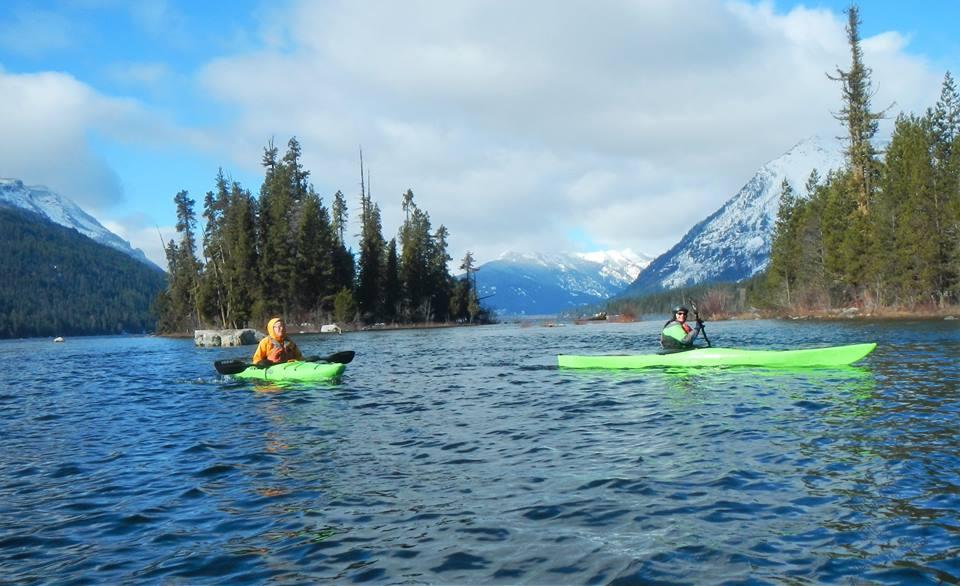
(465,456)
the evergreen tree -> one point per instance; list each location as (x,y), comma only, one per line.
(945,150)
(344,268)
(183,290)
(415,255)
(910,209)
(314,256)
(277,237)
(785,252)
(339,215)
(299,187)
(392,291)
(845,223)
(240,258)
(857,116)
(441,283)
(371,263)
(814,291)
(344,306)
(465,301)
(213,288)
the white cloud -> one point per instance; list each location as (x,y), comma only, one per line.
(49,120)
(515,124)
(142,233)
(45,118)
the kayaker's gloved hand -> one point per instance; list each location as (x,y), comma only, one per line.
(699,324)
(264,363)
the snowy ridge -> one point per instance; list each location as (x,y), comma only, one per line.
(734,242)
(543,284)
(60,210)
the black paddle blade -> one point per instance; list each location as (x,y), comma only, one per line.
(232,366)
(344,357)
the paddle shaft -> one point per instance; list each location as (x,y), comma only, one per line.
(703,326)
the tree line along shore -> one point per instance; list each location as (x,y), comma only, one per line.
(284,253)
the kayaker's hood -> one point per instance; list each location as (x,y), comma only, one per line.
(270,329)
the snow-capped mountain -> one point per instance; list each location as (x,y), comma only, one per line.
(546,284)
(734,242)
(60,210)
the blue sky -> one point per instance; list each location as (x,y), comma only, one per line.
(535,126)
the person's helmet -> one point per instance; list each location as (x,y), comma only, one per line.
(680,308)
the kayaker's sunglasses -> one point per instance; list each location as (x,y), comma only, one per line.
(681,313)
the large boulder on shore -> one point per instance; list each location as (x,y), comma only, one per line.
(244,337)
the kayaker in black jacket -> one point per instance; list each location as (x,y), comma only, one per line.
(677,334)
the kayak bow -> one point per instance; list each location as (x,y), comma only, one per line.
(830,356)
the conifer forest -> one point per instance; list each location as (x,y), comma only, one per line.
(285,253)
(885,231)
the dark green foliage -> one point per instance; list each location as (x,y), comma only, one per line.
(464,304)
(284,254)
(183,291)
(784,255)
(58,282)
(424,278)
(440,281)
(371,264)
(391,289)
(240,257)
(880,233)
(909,215)
(857,116)
(277,243)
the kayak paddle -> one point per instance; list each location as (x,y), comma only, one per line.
(703,326)
(237,365)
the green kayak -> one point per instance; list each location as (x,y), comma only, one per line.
(294,371)
(830,356)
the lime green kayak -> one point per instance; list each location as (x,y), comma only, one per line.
(830,356)
(294,371)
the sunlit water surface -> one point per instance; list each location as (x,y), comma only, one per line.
(464,455)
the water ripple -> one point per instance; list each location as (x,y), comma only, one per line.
(465,456)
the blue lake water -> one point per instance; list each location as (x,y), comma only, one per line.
(464,456)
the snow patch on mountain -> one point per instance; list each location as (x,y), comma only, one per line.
(547,283)
(60,210)
(733,243)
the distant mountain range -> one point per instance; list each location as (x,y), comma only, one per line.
(733,243)
(60,210)
(546,284)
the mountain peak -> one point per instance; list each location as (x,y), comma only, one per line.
(55,208)
(733,243)
(538,283)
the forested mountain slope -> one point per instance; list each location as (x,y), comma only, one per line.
(57,282)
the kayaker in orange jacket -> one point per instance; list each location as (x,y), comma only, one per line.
(276,347)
